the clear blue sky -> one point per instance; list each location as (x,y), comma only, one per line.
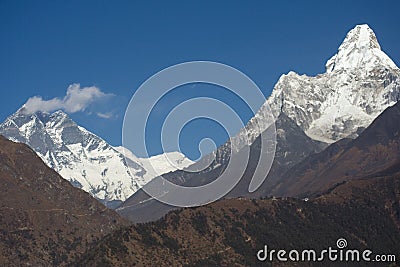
(47,45)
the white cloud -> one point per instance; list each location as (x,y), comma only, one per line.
(76,99)
(107,115)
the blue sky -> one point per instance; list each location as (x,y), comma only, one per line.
(48,45)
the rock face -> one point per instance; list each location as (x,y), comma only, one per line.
(44,220)
(376,152)
(359,83)
(81,157)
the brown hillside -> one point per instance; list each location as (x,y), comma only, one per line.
(44,220)
(230,232)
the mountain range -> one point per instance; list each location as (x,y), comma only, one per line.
(47,221)
(359,83)
(336,174)
(349,190)
(311,112)
(111,174)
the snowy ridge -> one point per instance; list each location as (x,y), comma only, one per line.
(359,83)
(159,164)
(81,157)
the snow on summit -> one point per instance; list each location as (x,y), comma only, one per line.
(360,48)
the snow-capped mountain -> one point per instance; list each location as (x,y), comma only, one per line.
(359,83)
(159,164)
(83,158)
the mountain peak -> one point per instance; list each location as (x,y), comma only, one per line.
(60,113)
(59,117)
(22,116)
(361,36)
(359,50)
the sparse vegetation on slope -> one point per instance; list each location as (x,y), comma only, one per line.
(230,232)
